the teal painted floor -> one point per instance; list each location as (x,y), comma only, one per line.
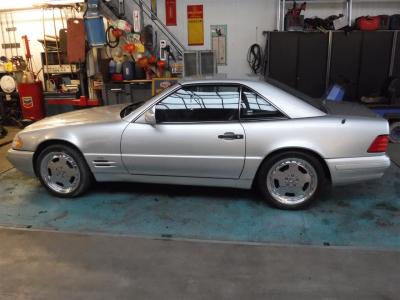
(362,215)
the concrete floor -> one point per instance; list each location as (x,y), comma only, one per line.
(49,265)
(11,132)
(5,143)
(394,153)
(362,215)
(37,264)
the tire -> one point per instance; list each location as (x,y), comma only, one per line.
(291,180)
(63,171)
(394,135)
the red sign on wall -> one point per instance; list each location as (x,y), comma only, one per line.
(195,11)
(195,25)
(170,12)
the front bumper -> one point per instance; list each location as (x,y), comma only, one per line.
(22,160)
(352,170)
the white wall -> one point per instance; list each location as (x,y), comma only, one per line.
(247,19)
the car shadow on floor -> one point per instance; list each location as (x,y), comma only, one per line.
(175,190)
(252,195)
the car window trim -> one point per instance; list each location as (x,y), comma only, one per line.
(259,119)
(199,122)
(237,120)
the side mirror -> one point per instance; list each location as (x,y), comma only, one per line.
(150,116)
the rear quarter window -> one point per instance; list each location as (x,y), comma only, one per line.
(253,106)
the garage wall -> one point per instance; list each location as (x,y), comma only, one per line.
(247,19)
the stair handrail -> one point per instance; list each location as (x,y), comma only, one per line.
(173,39)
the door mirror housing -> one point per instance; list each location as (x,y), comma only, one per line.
(150,116)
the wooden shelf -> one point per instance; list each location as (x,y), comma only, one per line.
(138,81)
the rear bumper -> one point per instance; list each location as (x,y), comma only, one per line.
(22,160)
(352,170)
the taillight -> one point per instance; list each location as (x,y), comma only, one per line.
(380,144)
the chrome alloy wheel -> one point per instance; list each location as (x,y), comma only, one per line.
(292,181)
(60,172)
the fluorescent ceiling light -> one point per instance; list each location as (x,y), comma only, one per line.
(7,4)
(61,2)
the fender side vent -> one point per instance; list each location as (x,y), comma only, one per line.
(101,163)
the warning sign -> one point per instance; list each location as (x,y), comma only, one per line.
(195,25)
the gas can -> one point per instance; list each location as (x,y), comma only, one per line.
(128,70)
(31,100)
(112,67)
(118,67)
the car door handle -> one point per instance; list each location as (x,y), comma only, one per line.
(230,136)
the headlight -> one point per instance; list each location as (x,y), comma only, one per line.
(17,143)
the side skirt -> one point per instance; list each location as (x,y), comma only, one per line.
(217,182)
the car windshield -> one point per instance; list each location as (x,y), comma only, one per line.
(134,106)
(315,102)
(130,108)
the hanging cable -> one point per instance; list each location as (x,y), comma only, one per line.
(254,58)
(109,42)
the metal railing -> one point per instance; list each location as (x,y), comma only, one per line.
(161,26)
(146,10)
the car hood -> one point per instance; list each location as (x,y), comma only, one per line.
(80,117)
(343,108)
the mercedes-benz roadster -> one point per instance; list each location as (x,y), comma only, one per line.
(229,133)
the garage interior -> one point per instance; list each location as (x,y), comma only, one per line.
(152,241)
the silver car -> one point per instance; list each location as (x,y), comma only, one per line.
(227,133)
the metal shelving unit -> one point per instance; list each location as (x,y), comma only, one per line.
(348,9)
(281,10)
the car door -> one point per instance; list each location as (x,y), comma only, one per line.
(197,134)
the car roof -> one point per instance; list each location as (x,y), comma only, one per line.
(217,80)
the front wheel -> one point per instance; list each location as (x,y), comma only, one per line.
(63,171)
(291,180)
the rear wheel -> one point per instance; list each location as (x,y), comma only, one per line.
(291,180)
(63,171)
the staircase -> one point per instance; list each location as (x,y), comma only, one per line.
(115,10)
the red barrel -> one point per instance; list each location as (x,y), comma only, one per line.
(31,99)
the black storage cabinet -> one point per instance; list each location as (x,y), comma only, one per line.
(116,93)
(362,62)
(126,92)
(299,60)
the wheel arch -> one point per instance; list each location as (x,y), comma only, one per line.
(298,149)
(44,144)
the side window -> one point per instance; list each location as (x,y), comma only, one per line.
(253,106)
(203,103)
